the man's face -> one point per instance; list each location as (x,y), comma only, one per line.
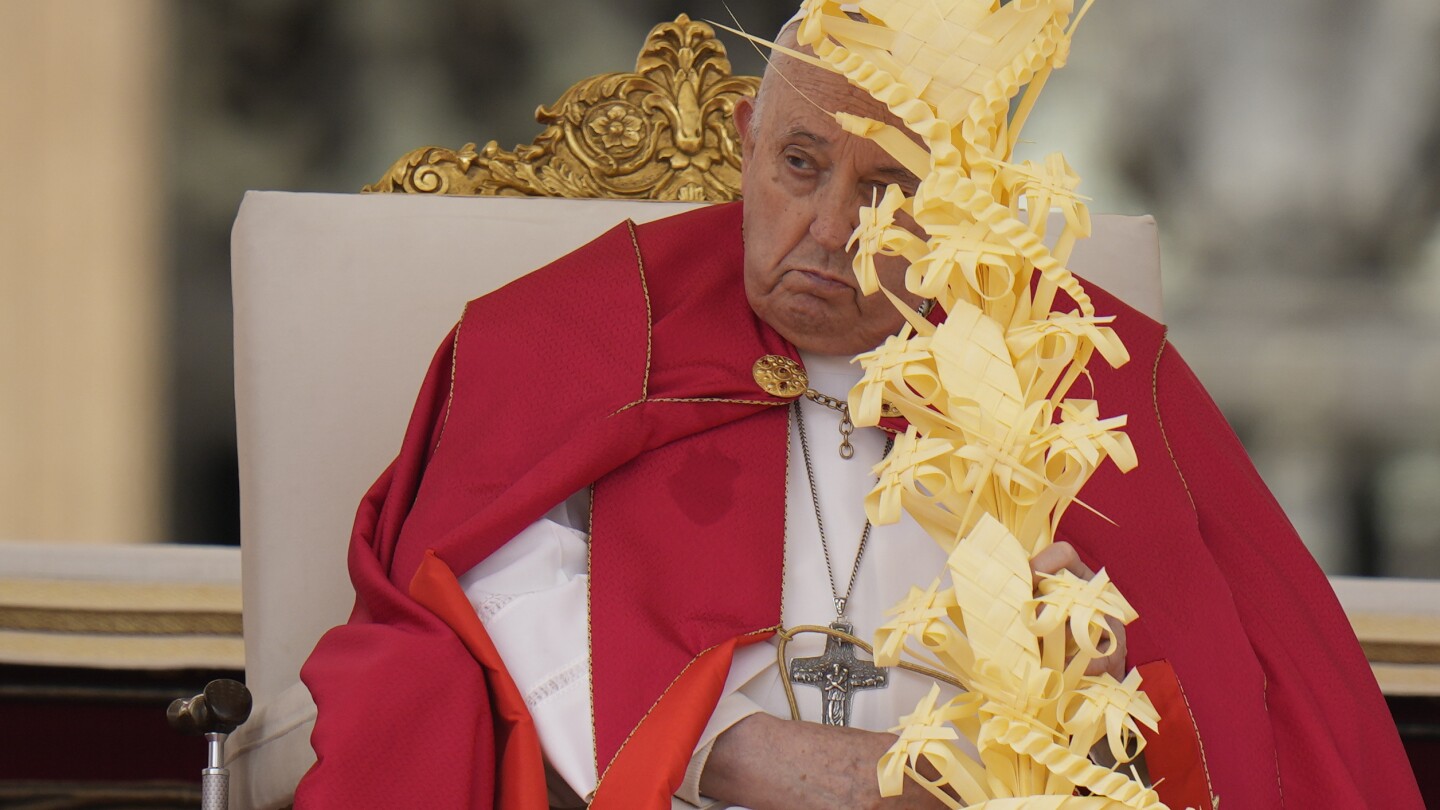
(804,180)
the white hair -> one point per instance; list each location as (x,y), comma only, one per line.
(771,74)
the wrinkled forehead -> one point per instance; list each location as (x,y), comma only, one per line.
(824,92)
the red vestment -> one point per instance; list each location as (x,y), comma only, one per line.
(627,365)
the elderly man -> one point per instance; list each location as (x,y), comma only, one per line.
(575,570)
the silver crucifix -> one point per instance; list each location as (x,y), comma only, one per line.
(838,673)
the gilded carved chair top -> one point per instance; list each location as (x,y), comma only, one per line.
(664,132)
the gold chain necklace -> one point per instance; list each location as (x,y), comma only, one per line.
(847,427)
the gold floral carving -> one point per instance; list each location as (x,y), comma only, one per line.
(664,132)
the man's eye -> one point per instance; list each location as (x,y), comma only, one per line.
(797,162)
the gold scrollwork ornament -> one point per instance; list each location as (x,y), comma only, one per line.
(664,132)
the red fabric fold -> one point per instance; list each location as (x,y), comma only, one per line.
(1174,756)
(650,764)
(520,776)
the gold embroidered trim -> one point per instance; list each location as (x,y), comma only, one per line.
(785,525)
(717,399)
(590,634)
(1279,785)
(649,711)
(1160,422)
(1200,741)
(454,364)
(649,314)
(627,407)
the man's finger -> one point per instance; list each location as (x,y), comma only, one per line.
(1060,556)
(1114,662)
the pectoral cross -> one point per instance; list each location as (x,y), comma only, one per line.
(838,673)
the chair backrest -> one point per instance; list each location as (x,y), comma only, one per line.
(340,301)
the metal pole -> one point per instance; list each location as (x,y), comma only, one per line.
(215,778)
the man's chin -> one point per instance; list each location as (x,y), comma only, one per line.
(818,329)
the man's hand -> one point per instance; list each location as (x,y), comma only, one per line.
(766,763)
(1063,555)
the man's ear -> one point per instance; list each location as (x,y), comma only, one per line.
(744,114)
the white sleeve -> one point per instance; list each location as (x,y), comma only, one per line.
(531,597)
(732,708)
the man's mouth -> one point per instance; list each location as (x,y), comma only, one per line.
(822,280)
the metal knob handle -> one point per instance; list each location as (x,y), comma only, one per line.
(216,712)
(220,709)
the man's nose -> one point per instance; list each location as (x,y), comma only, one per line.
(837,213)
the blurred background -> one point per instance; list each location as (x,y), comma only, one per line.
(1290,150)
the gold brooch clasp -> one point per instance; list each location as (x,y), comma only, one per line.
(780,376)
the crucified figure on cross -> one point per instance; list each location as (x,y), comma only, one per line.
(838,673)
